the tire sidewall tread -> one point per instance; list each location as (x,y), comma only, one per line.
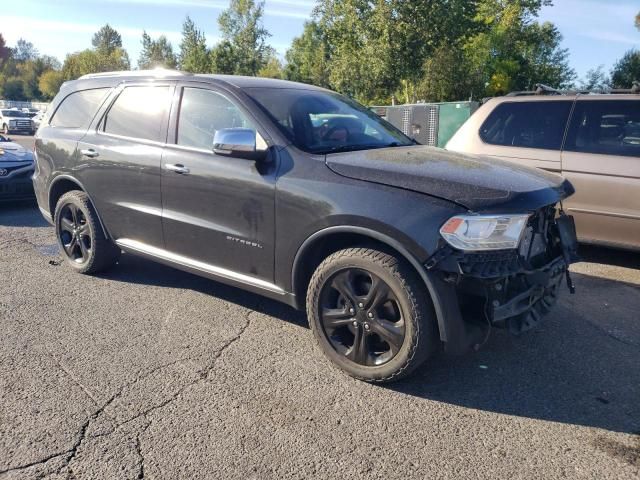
(104,253)
(418,310)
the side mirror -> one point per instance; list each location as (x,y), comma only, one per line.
(237,142)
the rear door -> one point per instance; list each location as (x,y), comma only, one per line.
(526,132)
(601,158)
(121,159)
(218,211)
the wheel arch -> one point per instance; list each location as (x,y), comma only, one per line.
(331,239)
(63,184)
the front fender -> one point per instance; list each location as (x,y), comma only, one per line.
(453,331)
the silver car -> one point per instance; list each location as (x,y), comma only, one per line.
(592,140)
(15,121)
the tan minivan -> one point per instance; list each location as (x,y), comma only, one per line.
(592,140)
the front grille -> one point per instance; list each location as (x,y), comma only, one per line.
(490,264)
(23,124)
(22,188)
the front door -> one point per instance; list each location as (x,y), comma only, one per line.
(218,210)
(601,158)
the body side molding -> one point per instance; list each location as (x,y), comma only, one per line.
(180,260)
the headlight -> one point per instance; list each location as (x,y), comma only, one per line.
(484,232)
(12,122)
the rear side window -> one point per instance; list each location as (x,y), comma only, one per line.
(139,112)
(605,127)
(202,113)
(527,124)
(77,110)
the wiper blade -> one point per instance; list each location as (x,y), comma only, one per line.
(351,148)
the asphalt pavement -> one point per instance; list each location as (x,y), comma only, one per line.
(149,372)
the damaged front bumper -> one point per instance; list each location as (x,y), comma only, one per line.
(512,289)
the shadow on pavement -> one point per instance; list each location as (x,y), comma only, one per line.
(610,256)
(132,269)
(23,213)
(580,367)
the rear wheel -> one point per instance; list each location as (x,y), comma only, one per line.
(80,236)
(370,314)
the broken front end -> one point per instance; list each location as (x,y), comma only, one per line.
(507,270)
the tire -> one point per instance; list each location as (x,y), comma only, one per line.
(361,293)
(80,236)
(5,129)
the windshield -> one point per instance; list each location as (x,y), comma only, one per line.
(14,113)
(324,122)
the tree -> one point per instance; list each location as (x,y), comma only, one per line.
(447,76)
(50,82)
(595,80)
(543,59)
(626,70)
(156,53)
(242,28)
(194,56)
(13,89)
(91,61)
(513,51)
(106,40)
(272,69)
(5,52)
(222,58)
(378,47)
(308,57)
(24,51)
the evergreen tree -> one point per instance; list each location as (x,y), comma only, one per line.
(156,53)
(245,36)
(194,56)
(106,40)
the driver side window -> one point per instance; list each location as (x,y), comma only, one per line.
(202,113)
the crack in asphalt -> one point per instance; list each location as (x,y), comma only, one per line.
(610,334)
(203,374)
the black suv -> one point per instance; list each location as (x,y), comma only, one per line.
(302,195)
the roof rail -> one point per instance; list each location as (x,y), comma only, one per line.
(540,89)
(156,72)
(635,88)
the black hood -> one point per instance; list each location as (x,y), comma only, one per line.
(474,182)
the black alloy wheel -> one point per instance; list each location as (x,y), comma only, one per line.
(362,317)
(80,235)
(75,233)
(371,314)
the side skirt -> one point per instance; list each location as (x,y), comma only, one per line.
(223,275)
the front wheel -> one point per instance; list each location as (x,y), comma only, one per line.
(5,129)
(371,315)
(80,236)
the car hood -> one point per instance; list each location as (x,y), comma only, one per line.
(15,117)
(13,152)
(474,182)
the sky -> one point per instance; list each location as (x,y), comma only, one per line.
(596,32)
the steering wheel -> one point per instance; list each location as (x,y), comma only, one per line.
(332,130)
